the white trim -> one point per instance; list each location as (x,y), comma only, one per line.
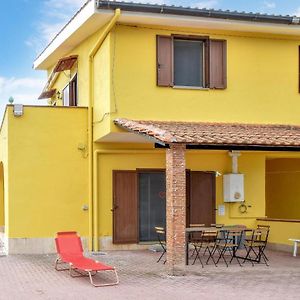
(183,87)
(90,19)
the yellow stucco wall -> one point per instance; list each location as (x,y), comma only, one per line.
(262,88)
(281,232)
(47,173)
(283,188)
(251,164)
(125,80)
(4,193)
(262,77)
(1,196)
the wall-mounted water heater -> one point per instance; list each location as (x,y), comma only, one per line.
(233,183)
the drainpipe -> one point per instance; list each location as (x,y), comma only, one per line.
(234,156)
(96,181)
(93,244)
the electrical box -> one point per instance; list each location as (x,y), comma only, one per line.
(233,187)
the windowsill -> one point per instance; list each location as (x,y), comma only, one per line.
(186,87)
(278,220)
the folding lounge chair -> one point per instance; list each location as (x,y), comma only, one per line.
(70,253)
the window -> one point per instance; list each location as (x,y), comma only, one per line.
(70,93)
(191,62)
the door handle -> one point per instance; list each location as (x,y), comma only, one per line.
(114,208)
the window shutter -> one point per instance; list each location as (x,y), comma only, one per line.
(164,63)
(217,65)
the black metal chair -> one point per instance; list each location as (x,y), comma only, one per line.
(161,237)
(195,237)
(256,245)
(207,242)
(227,242)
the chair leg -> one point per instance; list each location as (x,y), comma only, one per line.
(211,253)
(248,256)
(222,256)
(262,255)
(104,284)
(161,256)
(59,262)
(233,255)
(197,255)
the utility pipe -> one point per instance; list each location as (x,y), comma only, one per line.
(105,32)
(234,156)
(96,181)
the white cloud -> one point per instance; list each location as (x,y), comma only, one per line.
(55,14)
(296,13)
(207,4)
(62,4)
(24,90)
(269,5)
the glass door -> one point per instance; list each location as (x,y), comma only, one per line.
(152,204)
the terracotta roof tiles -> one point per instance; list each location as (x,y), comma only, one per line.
(201,133)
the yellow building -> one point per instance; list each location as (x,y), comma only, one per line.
(136,91)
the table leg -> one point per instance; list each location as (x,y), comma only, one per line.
(186,248)
(295,249)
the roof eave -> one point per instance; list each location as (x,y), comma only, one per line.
(65,37)
(189,11)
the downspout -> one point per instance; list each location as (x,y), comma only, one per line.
(93,238)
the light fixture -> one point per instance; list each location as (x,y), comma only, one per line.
(18,110)
(58,95)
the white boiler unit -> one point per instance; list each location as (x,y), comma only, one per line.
(233,187)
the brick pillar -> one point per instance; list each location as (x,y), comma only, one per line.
(175,208)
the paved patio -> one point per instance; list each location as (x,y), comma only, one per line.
(33,277)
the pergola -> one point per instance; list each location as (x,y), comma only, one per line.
(176,137)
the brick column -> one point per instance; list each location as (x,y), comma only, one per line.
(175,208)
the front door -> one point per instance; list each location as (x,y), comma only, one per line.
(201,200)
(124,209)
(152,204)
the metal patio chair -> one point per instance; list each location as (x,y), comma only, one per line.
(255,244)
(161,237)
(227,243)
(206,242)
(195,237)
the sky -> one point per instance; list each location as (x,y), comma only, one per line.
(27,26)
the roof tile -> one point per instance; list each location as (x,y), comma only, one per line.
(204,133)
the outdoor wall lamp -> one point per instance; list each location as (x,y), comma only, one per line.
(18,110)
(58,95)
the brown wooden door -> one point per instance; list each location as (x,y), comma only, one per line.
(201,201)
(125,219)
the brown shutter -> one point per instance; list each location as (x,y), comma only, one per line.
(164,59)
(217,66)
(125,216)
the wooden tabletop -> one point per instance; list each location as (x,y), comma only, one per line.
(195,229)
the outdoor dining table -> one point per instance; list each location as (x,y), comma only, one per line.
(190,230)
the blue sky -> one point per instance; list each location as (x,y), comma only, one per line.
(26,26)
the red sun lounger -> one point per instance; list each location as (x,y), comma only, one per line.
(70,253)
